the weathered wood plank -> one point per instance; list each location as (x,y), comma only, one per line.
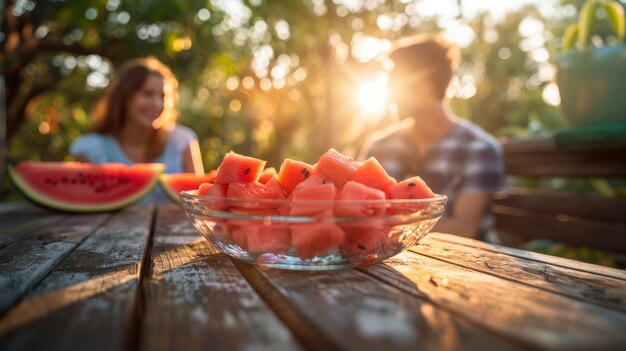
(353,311)
(543,319)
(565,163)
(195,298)
(529,225)
(534,256)
(87,301)
(586,206)
(13,206)
(14,225)
(591,288)
(24,262)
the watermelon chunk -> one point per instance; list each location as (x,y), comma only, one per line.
(254,190)
(310,240)
(357,191)
(240,236)
(293,173)
(267,174)
(314,179)
(262,239)
(325,192)
(250,212)
(372,174)
(85,187)
(339,168)
(204,189)
(237,168)
(412,188)
(216,190)
(174,183)
(365,239)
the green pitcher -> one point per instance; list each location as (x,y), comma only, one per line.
(592,82)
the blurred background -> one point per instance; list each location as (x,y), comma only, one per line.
(277,79)
(274,79)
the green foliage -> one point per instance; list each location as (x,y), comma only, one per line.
(226,54)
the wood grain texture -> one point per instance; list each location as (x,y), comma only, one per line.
(196,299)
(534,256)
(571,230)
(353,311)
(552,202)
(13,206)
(528,314)
(15,224)
(24,262)
(87,301)
(580,163)
(588,287)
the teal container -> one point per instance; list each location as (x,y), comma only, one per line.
(592,85)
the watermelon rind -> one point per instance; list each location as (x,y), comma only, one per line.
(44,200)
(167,189)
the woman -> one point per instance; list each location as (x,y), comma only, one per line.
(135,122)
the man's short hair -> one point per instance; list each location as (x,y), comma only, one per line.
(427,53)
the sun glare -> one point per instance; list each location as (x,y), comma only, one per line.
(372,96)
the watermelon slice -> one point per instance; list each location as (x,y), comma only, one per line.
(292,173)
(339,168)
(174,183)
(372,174)
(85,187)
(237,168)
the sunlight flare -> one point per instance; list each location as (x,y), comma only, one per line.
(372,95)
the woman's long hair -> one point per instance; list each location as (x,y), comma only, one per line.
(109,116)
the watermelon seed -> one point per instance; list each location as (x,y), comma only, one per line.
(303,170)
(412,184)
(246,171)
(306,174)
(361,247)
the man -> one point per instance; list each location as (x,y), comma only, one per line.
(455,157)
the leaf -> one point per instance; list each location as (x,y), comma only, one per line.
(615,15)
(586,21)
(569,37)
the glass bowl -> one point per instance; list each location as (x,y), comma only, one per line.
(312,234)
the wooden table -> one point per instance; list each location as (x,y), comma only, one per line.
(143,278)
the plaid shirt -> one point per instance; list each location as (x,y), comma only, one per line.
(467,159)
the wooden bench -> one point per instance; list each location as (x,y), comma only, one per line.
(577,219)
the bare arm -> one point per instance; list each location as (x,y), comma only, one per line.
(469,209)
